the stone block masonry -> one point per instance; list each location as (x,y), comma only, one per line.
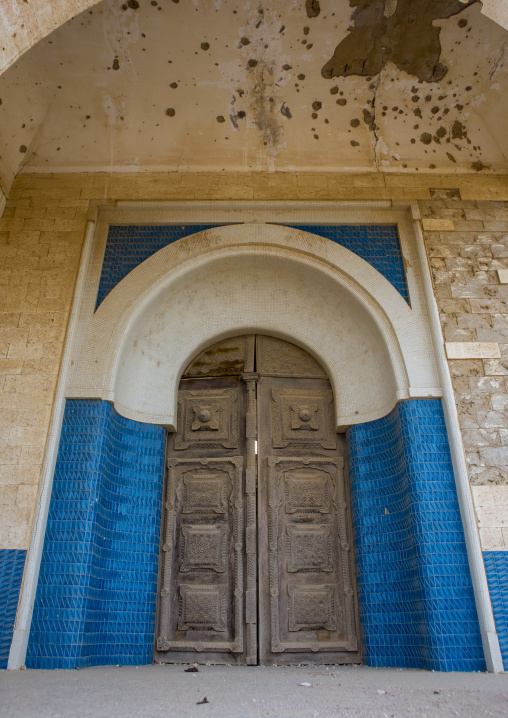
(41,235)
(466,263)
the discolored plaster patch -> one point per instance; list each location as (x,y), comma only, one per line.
(312,7)
(407,37)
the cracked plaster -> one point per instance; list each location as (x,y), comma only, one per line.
(146,89)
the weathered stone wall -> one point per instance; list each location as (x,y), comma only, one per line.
(41,235)
(467,243)
(23,24)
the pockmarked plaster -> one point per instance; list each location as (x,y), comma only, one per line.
(236,86)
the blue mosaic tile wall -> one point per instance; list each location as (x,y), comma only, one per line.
(417,607)
(496,565)
(128,246)
(96,596)
(12,564)
(377,244)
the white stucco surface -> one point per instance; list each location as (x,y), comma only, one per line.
(254,278)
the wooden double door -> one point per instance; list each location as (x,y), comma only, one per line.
(256,559)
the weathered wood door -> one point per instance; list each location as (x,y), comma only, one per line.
(256,558)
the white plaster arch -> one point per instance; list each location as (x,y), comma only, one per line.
(255,278)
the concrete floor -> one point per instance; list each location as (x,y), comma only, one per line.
(240,692)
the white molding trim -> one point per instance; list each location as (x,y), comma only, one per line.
(490,639)
(379,355)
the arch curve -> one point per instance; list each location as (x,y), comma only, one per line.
(246,279)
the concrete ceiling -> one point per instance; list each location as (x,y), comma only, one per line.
(386,85)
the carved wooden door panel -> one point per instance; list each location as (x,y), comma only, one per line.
(307,602)
(256,562)
(201,613)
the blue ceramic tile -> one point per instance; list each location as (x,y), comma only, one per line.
(377,244)
(12,564)
(414,584)
(496,566)
(128,246)
(98,577)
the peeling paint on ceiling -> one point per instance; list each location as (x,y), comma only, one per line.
(227,85)
(398,31)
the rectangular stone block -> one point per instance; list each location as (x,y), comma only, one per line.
(472,350)
(438,225)
(492,539)
(502,276)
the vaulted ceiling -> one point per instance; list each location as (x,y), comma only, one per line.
(365,85)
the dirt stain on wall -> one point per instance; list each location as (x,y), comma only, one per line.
(406,37)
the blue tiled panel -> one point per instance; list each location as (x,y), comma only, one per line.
(377,244)
(12,564)
(128,246)
(417,607)
(496,565)
(96,596)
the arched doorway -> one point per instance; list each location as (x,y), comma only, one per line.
(256,562)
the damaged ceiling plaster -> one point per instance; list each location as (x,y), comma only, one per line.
(386,85)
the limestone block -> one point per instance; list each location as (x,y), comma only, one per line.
(19,474)
(26,496)
(8,495)
(454,306)
(438,225)
(499,250)
(472,350)
(491,456)
(31,455)
(496,225)
(493,419)
(492,516)
(38,224)
(18,537)
(471,290)
(460,263)
(477,438)
(503,276)
(12,515)
(474,322)
(7,401)
(492,539)
(496,367)
(11,366)
(487,476)
(464,225)
(486,385)
(489,306)
(27,436)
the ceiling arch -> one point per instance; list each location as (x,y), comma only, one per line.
(212,86)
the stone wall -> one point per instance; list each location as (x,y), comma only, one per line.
(467,245)
(41,235)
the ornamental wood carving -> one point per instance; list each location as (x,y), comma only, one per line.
(256,559)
